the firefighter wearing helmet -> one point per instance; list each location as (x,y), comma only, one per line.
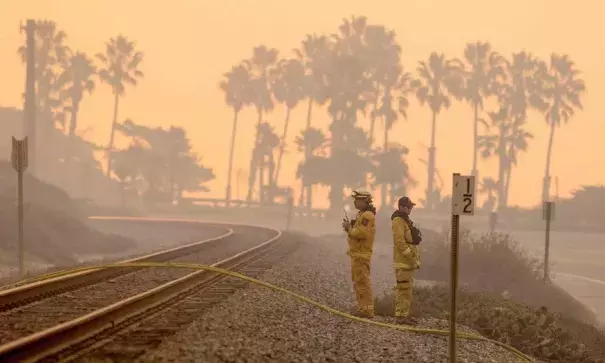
(361,232)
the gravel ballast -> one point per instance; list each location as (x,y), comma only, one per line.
(257,324)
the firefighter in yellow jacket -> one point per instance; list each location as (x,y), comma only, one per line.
(406,259)
(361,232)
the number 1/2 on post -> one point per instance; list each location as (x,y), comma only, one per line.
(463,198)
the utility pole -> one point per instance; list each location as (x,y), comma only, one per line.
(29,111)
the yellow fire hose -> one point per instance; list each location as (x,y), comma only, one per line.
(194,266)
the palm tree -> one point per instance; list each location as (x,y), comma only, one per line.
(401,84)
(391,171)
(486,68)
(562,89)
(495,144)
(51,54)
(76,79)
(383,58)
(312,142)
(288,88)
(489,186)
(259,66)
(314,55)
(439,78)
(236,87)
(121,64)
(518,91)
(263,156)
(347,86)
(517,140)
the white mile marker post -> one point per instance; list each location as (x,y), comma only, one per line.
(463,203)
(19,161)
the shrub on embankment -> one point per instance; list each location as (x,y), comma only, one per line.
(496,263)
(504,298)
(533,331)
(55,229)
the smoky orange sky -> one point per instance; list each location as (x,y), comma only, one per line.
(189,44)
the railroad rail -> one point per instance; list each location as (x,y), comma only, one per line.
(21,294)
(77,334)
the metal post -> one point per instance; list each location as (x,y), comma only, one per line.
(454,284)
(548,217)
(20,218)
(19,160)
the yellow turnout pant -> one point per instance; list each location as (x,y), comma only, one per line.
(360,273)
(403,292)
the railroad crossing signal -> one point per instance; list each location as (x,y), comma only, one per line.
(19,154)
(463,195)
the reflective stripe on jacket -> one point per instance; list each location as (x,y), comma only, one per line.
(361,236)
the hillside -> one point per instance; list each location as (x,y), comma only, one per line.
(55,229)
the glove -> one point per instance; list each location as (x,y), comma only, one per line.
(345,225)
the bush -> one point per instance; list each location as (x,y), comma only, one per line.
(543,320)
(536,332)
(482,259)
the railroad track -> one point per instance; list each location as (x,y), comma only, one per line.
(20,294)
(76,320)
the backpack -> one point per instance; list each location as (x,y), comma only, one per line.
(416,234)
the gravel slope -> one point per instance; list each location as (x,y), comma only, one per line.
(260,325)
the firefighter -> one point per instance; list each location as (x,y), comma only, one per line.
(406,259)
(361,231)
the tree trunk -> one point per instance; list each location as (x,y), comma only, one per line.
(254,165)
(70,141)
(383,186)
(231,153)
(430,197)
(112,134)
(309,112)
(281,146)
(307,154)
(501,166)
(308,187)
(335,196)
(546,184)
(123,194)
(509,170)
(373,115)
(507,176)
(261,178)
(271,183)
(475,140)
(301,196)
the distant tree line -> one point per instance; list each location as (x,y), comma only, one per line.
(354,74)
(160,162)
(357,72)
